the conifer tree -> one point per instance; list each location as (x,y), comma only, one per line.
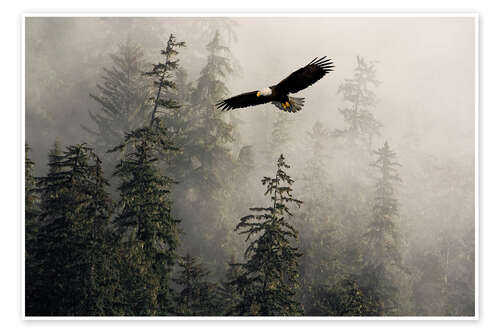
(204,164)
(212,127)
(145,219)
(124,97)
(357,91)
(31,212)
(197,295)
(344,298)
(383,255)
(268,281)
(163,74)
(31,200)
(71,247)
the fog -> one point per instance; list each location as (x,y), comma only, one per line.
(425,102)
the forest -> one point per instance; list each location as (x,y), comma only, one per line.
(144,199)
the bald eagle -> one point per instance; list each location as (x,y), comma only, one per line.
(279,93)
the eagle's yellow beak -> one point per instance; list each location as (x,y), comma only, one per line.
(258,93)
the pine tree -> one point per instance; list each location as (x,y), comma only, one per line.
(361,124)
(163,74)
(31,199)
(382,238)
(71,247)
(145,219)
(204,163)
(124,97)
(31,213)
(197,295)
(344,298)
(268,281)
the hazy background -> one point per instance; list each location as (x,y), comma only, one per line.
(426,66)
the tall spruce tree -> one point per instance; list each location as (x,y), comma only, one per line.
(163,74)
(205,162)
(124,97)
(383,255)
(71,247)
(268,281)
(357,91)
(145,219)
(197,295)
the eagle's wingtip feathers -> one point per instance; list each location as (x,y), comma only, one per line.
(223,105)
(324,63)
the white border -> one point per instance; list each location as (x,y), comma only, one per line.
(268,13)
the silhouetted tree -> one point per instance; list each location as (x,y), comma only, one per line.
(31,224)
(146,220)
(162,74)
(71,247)
(268,281)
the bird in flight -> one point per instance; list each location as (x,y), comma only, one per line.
(279,94)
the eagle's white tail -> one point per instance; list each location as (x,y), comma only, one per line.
(296,104)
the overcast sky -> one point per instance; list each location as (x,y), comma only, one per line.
(426,66)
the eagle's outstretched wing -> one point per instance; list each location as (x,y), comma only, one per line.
(242,101)
(305,76)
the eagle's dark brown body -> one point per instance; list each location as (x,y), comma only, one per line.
(279,94)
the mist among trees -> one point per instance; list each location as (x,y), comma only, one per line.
(143,199)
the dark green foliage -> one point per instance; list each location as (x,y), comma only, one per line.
(31,199)
(268,281)
(124,97)
(73,272)
(343,299)
(197,295)
(162,73)
(31,213)
(145,221)
(361,124)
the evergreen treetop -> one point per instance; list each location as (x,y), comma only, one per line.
(163,75)
(123,97)
(268,281)
(362,125)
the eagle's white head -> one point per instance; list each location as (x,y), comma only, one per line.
(264,92)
